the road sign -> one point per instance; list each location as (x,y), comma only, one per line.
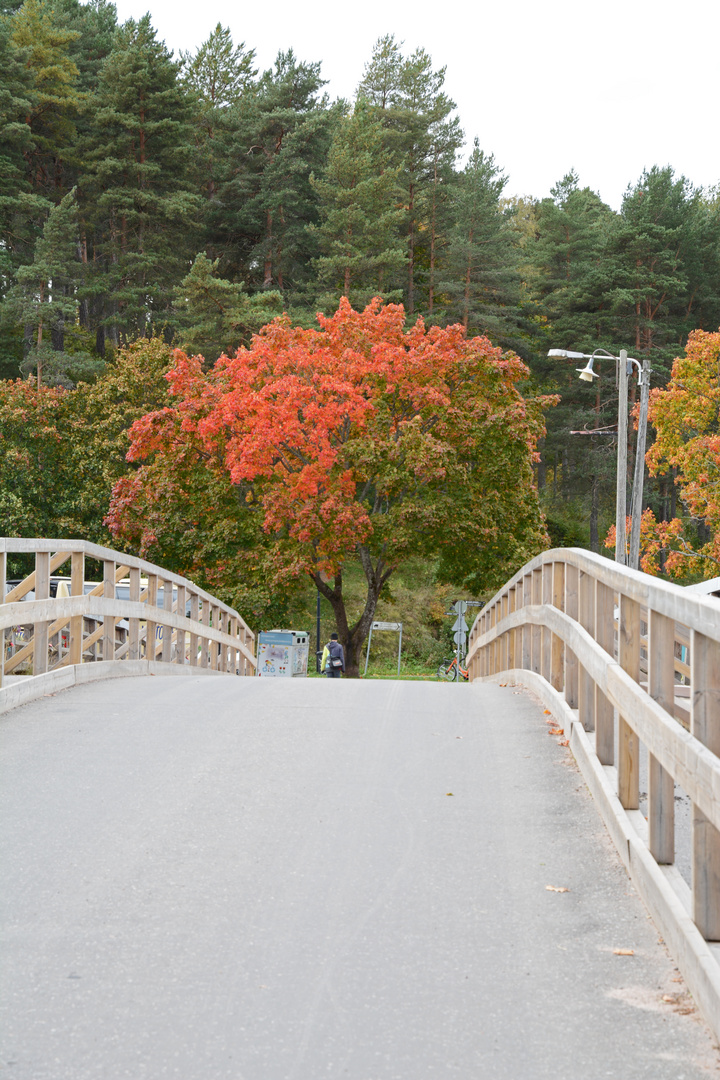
(459,637)
(387,626)
(460,624)
(460,606)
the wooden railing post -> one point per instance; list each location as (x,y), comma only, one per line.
(180,634)
(705,726)
(558,649)
(661,687)
(511,633)
(222,625)
(152,597)
(204,642)
(571,610)
(108,637)
(134,624)
(233,664)
(586,686)
(546,638)
(77,588)
(3,585)
(526,630)
(536,631)
(166,654)
(195,616)
(628,743)
(605,637)
(42,592)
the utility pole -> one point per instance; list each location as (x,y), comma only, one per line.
(621,491)
(639,473)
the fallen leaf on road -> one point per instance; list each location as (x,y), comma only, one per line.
(624,952)
(557,888)
(564,742)
(667,997)
(547,712)
(448,793)
(556,731)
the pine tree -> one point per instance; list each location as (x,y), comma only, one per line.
(423,138)
(653,249)
(217,76)
(141,211)
(217,316)
(40,31)
(483,282)
(44,296)
(361,250)
(279,133)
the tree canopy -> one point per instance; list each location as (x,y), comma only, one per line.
(360,440)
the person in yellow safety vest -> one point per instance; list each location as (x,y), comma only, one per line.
(333,658)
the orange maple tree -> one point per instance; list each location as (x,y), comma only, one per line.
(361,440)
(686,416)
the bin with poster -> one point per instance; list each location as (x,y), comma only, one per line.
(283,654)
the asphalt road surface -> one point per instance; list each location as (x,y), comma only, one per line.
(245,879)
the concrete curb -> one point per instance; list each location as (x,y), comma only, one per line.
(31,687)
(694,957)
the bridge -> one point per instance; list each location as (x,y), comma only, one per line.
(212,876)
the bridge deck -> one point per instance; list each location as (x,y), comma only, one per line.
(264,880)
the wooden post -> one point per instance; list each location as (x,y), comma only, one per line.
(605,637)
(77,588)
(526,630)
(134,624)
(205,620)
(3,585)
(233,658)
(546,635)
(557,655)
(628,743)
(586,686)
(180,634)
(571,609)
(223,650)
(42,592)
(705,726)
(661,787)
(195,616)
(108,622)
(511,633)
(536,631)
(166,654)
(519,604)
(152,597)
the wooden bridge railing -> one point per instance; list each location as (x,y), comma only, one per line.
(165,618)
(579,622)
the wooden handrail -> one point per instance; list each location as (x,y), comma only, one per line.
(219,637)
(576,620)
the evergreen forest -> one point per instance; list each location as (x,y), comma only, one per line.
(188,200)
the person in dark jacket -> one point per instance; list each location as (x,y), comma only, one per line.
(333,658)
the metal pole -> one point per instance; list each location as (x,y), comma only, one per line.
(399,649)
(639,474)
(317,635)
(367,654)
(621,491)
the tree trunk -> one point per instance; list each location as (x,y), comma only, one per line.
(352,638)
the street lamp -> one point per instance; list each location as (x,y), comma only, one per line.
(624,368)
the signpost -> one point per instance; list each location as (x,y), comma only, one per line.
(397,627)
(460,636)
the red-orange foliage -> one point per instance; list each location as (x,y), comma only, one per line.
(357,440)
(686,415)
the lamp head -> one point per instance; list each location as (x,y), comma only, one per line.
(565,354)
(587,374)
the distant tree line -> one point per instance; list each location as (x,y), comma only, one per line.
(192,199)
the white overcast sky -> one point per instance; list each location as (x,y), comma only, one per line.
(547,85)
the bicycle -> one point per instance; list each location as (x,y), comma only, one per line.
(448,671)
